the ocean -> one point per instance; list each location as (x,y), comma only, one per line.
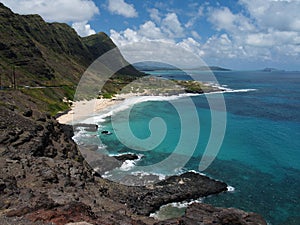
(259,155)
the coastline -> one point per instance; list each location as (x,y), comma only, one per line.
(84,109)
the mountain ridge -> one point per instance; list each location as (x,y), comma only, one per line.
(34,53)
(51,52)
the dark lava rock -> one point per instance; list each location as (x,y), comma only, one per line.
(187,186)
(208,215)
(28,113)
(125,157)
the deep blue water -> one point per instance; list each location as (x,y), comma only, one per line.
(260,153)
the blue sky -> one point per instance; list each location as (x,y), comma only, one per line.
(237,34)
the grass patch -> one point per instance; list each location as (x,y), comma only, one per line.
(51,99)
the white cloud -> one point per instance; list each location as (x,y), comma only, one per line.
(78,12)
(279,15)
(120,7)
(153,43)
(171,25)
(59,10)
(195,16)
(150,30)
(224,19)
(195,34)
(155,15)
(190,45)
(83,28)
(269,33)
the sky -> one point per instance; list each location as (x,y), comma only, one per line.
(235,34)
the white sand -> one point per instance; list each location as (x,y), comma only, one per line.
(83,109)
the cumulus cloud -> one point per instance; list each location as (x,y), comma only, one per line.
(83,28)
(150,30)
(195,34)
(155,15)
(224,19)
(279,15)
(195,16)
(120,7)
(154,40)
(58,11)
(171,25)
(153,43)
(269,31)
(77,12)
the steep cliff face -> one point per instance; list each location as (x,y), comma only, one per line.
(46,53)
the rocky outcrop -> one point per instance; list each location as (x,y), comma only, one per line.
(208,215)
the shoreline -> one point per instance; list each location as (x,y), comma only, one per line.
(85,109)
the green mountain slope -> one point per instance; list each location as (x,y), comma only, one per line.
(48,54)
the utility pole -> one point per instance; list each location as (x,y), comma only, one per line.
(13,71)
(14,77)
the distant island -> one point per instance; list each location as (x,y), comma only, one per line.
(152,66)
(267,69)
(213,68)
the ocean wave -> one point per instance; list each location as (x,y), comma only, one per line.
(239,90)
(129,102)
(129,164)
(230,189)
(143,174)
(179,205)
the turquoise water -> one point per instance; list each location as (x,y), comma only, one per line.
(260,153)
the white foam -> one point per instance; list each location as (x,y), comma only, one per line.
(230,189)
(130,164)
(128,102)
(143,173)
(194,171)
(179,205)
(241,90)
(106,175)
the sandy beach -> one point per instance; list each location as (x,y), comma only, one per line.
(84,109)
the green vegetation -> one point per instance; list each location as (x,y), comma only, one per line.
(50,99)
(192,86)
(107,95)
